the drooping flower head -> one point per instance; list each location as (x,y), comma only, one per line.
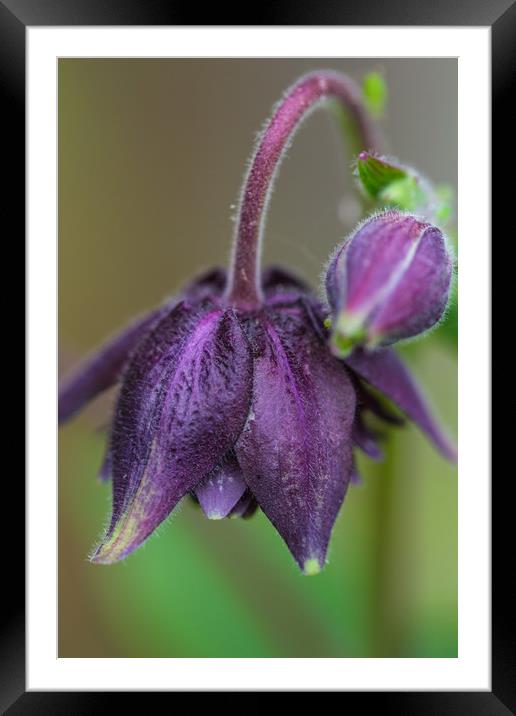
(231,393)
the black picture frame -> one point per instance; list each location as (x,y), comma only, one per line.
(15,17)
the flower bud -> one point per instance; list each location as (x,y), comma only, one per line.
(388,281)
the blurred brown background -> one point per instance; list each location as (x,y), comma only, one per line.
(151,158)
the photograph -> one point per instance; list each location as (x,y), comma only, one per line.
(258,354)
(258,290)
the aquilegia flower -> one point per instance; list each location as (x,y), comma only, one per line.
(231,392)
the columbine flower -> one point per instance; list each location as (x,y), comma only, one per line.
(230,392)
(388,281)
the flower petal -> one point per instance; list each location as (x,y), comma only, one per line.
(184,401)
(276,279)
(419,300)
(245,507)
(366,440)
(384,370)
(295,449)
(388,281)
(101,370)
(219,492)
(368,401)
(207,285)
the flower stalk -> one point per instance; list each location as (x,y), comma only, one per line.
(308,93)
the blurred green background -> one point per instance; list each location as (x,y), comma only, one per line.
(151,157)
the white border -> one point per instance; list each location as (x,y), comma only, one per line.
(471,670)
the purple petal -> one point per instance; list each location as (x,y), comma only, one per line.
(418,300)
(220,491)
(295,449)
(384,370)
(368,401)
(183,403)
(245,507)
(209,284)
(278,279)
(372,255)
(101,370)
(366,440)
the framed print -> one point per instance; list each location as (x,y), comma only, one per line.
(263,477)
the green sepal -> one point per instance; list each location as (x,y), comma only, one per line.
(390,184)
(404,194)
(376,174)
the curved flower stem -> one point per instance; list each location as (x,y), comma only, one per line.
(309,92)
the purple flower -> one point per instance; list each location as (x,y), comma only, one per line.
(239,408)
(390,280)
(230,393)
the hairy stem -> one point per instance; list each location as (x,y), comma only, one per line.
(309,92)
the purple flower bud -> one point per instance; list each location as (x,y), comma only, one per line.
(388,281)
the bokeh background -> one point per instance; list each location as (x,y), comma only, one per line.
(151,157)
